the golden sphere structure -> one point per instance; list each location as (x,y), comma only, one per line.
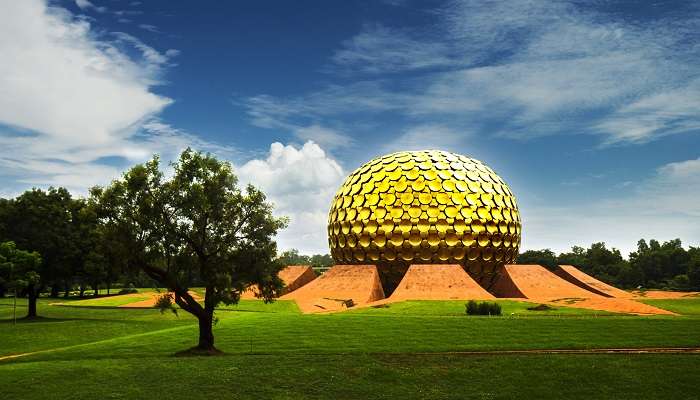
(424,207)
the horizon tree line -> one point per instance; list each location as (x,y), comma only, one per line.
(197,228)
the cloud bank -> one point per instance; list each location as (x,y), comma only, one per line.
(77,107)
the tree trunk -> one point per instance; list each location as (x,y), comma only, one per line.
(206,333)
(31,301)
(96,289)
(54,290)
(82,291)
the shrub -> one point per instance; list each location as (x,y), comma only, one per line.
(129,289)
(472,308)
(164,303)
(483,308)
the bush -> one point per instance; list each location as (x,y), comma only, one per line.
(472,308)
(164,303)
(483,308)
(129,289)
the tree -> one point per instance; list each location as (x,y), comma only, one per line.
(321,260)
(694,267)
(19,269)
(545,257)
(604,263)
(200,222)
(576,257)
(40,221)
(292,257)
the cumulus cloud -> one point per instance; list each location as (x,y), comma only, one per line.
(301,182)
(71,101)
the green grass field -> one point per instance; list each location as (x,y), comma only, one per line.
(405,350)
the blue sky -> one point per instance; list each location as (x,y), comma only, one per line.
(588,109)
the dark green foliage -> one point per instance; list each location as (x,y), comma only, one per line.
(164,302)
(545,257)
(41,221)
(197,223)
(129,289)
(292,257)
(18,269)
(653,265)
(483,308)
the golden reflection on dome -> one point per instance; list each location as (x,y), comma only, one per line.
(425,206)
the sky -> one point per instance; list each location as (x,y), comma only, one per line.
(589,110)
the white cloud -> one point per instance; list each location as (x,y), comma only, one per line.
(665,206)
(437,137)
(379,49)
(71,100)
(326,137)
(301,182)
(533,68)
(150,28)
(87,5)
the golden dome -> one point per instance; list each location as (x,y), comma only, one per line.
(425,207)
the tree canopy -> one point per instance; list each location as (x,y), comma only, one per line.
(652,265)
(18,269)
(196,222)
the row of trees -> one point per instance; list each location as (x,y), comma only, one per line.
(196,228)
(292,257)
(652,265)
(76,251)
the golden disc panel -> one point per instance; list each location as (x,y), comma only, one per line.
(433,206)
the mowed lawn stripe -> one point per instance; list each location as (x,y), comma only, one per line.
(359,376)
(263,333)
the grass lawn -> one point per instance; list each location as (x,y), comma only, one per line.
(689,306)
(110,301)
(273,351)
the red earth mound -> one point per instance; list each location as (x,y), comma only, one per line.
(341,287)
(534,282)
(293,276)
(438,282)
(585,281)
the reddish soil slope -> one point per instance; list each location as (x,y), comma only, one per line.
(534,281)
(585,281)
(340,287)
(293,276)
(438,282)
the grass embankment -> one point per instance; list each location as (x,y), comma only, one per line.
(275,352)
